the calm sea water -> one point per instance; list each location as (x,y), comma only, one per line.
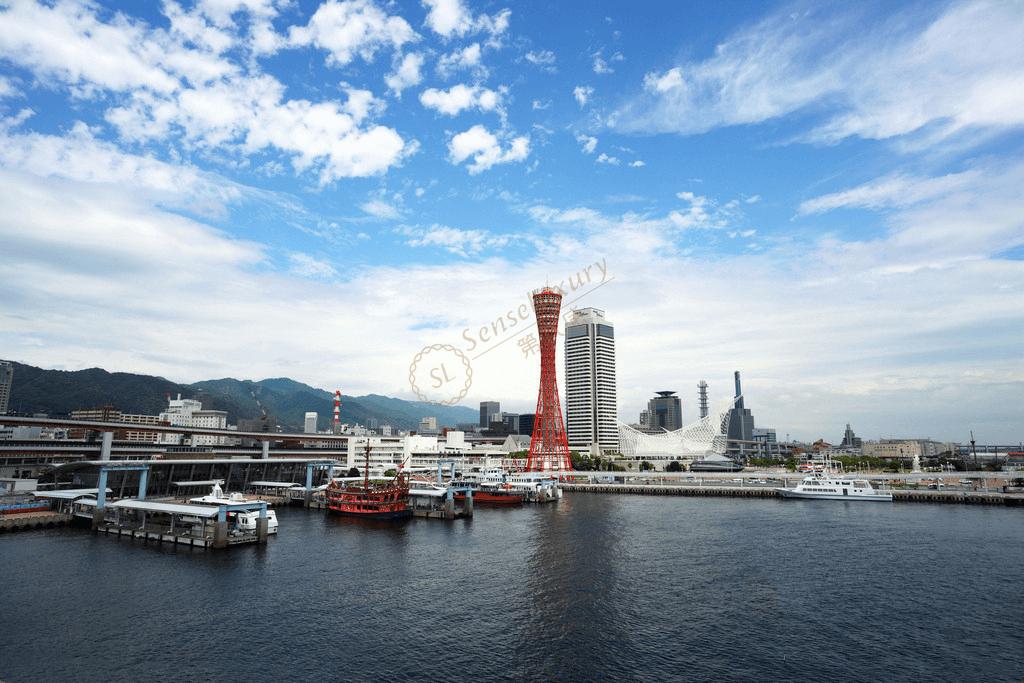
(593,588)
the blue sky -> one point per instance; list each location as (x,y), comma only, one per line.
(824,198)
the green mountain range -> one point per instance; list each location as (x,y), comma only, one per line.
(58,392)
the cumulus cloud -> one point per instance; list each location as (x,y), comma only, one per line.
(451,18)
(460,97)
(582,94)
(603,158)
(484,150)
(588,143)
(352,28)
(406,74)
(167,89)
(962,71)
(637,164)
(467,58)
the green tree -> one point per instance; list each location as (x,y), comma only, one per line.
(645,466)
(791,464)
(353,472)
(674,466)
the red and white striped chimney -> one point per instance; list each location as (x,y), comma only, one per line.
(337,411)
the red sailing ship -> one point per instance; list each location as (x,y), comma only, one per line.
(371,500)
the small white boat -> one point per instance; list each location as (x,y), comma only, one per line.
(832,484)
(242,520)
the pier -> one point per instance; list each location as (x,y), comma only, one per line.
(898,495)
(32,520)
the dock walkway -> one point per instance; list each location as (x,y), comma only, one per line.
(898,495)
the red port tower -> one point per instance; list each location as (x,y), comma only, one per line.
(549,448)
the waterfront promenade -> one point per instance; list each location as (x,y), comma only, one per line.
(978,488)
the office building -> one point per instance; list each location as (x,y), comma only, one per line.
(310,423)
(851,440)
(428,425)
(511,421)
(591,405)
(6,381)
(488,411)
(665,412)
(188,412)
(741,423)
(526,424)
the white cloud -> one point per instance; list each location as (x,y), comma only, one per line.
(587,143)
(694,216)
(406,73)
(380,209)
(637,164)
(334,138)
(461,242)
(537,105)
(465,58)
(545,59)
(485,150)
(168,90)
(890,191)
(924,340)
(450,18)
(754,199)
(460,97)
(80,156)
(582,93)
(311,267)
(963,70)
(603,158)
(7,88)
(68,43)
(352,28)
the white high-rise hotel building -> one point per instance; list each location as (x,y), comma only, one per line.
(591,407)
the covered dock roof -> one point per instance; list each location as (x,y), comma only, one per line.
(67,494)
(168,508)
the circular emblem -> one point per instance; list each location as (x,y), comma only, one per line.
(440,374)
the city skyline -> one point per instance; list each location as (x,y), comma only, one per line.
(186,188)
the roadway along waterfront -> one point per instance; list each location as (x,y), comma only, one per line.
(594,587)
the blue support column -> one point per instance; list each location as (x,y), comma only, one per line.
(143,482)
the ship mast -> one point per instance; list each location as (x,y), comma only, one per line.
(366,472)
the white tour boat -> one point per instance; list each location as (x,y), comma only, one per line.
(243,520)
(831,484)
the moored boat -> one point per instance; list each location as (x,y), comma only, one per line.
(491,494)
(832,484)
(370,499)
